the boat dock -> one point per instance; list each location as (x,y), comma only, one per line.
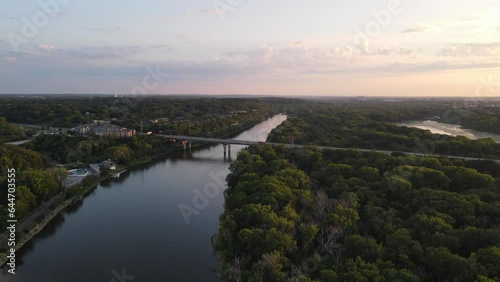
(118,174)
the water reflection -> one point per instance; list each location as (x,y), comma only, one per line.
(135,222)
(450,129)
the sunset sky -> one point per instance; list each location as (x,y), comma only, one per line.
(292,47)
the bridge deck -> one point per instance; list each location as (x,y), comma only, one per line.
(208,140)
(245,142)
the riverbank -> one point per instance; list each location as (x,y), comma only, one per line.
(133,218)
(32,224)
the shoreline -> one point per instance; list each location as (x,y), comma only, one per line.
(38,226)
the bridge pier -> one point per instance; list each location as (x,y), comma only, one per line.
(228,147)
(186,145)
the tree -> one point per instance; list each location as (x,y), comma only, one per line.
(442,264)
(425,226)
(467,178)
(329,241)
(257,241)
(269,267)
(233,272)
(25,201)
(359,270)
(488,260)
(121,154)
(364,247)
(41,184)
(322,204)
(400,248)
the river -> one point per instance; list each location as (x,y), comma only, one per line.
(450,129)
(132,229)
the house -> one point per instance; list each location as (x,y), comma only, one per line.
(97,167)
(109,164)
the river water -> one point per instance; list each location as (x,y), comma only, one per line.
(450,129)
(132,229)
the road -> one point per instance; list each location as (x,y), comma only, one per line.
(17,143)
(245,142)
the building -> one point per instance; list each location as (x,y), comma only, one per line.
(109,164)
(157,120)
(113,130)
(102,121)
(82,129)
(97,167)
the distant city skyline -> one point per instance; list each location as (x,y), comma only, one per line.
(317,48)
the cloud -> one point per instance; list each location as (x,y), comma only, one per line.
(299,57)
(106,29)
(298,45)
(7,17)
(46,48)
(294,58)
(471,19)
(471,49)
(434,66)
(188,39)
(417,29)
(400,68)
(208,11)
(9,59)
(58,14)
(98,53)
(391,51)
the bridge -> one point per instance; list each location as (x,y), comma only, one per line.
(188,140)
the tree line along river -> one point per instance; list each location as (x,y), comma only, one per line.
(153,224)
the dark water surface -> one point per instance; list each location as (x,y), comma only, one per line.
(133,227)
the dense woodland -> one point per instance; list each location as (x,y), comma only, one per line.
(9,132)
(367,126)
(305,215)
(478,114)
(67,111)
(36,180)
(312,215)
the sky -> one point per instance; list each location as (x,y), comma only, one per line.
(277,47)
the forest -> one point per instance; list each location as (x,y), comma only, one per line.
(477,114)
(129,111)
(9,132)
(81,149)
(39,174)
(343,215)
(39,162)
(364,125)
(299,214)
(36,180)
